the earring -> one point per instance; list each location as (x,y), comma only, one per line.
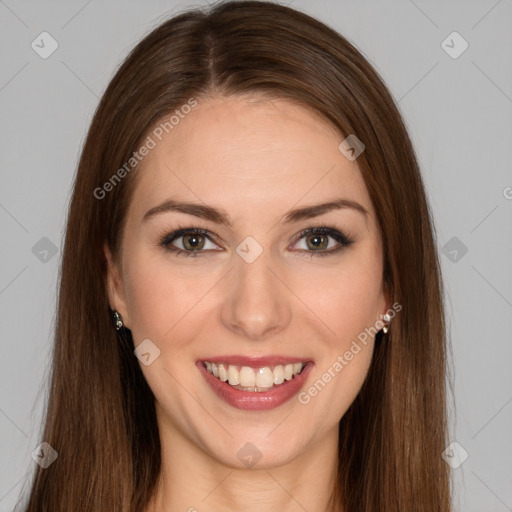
(387,320)
(118,321)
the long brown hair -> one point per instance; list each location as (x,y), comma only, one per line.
(100,415)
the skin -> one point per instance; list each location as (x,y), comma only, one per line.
(255,158)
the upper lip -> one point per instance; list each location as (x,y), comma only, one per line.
(255,362)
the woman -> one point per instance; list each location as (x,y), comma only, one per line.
(248,209)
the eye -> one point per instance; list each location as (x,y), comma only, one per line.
(189,241)
(315,241)
(322,240)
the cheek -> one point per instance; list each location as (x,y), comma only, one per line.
(160,297)
(349,307)
(347,298)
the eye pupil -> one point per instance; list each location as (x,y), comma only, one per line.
(193,241)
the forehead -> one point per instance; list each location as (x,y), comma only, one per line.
(248,153)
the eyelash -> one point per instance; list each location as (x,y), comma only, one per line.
(343,239)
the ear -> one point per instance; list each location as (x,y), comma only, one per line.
(385,301)
(115,288)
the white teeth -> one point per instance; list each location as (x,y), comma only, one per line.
(254,379)
(223,373)
(279,374)
(247,377)
(264,378)
(233,376)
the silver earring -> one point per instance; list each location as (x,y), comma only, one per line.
(387,320)
(118,321)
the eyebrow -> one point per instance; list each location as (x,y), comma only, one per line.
(220,216)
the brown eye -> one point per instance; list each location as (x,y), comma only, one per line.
(322,241)
(189,242)
(193,242)
(317,242)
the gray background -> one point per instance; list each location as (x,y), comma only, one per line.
(458,111)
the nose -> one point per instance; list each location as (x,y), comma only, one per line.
(257,302)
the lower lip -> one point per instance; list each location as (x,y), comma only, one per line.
(254,400)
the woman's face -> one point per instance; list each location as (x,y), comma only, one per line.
(250,293)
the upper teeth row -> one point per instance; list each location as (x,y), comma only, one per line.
(259,377)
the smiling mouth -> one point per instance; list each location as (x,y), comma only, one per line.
(258,380)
